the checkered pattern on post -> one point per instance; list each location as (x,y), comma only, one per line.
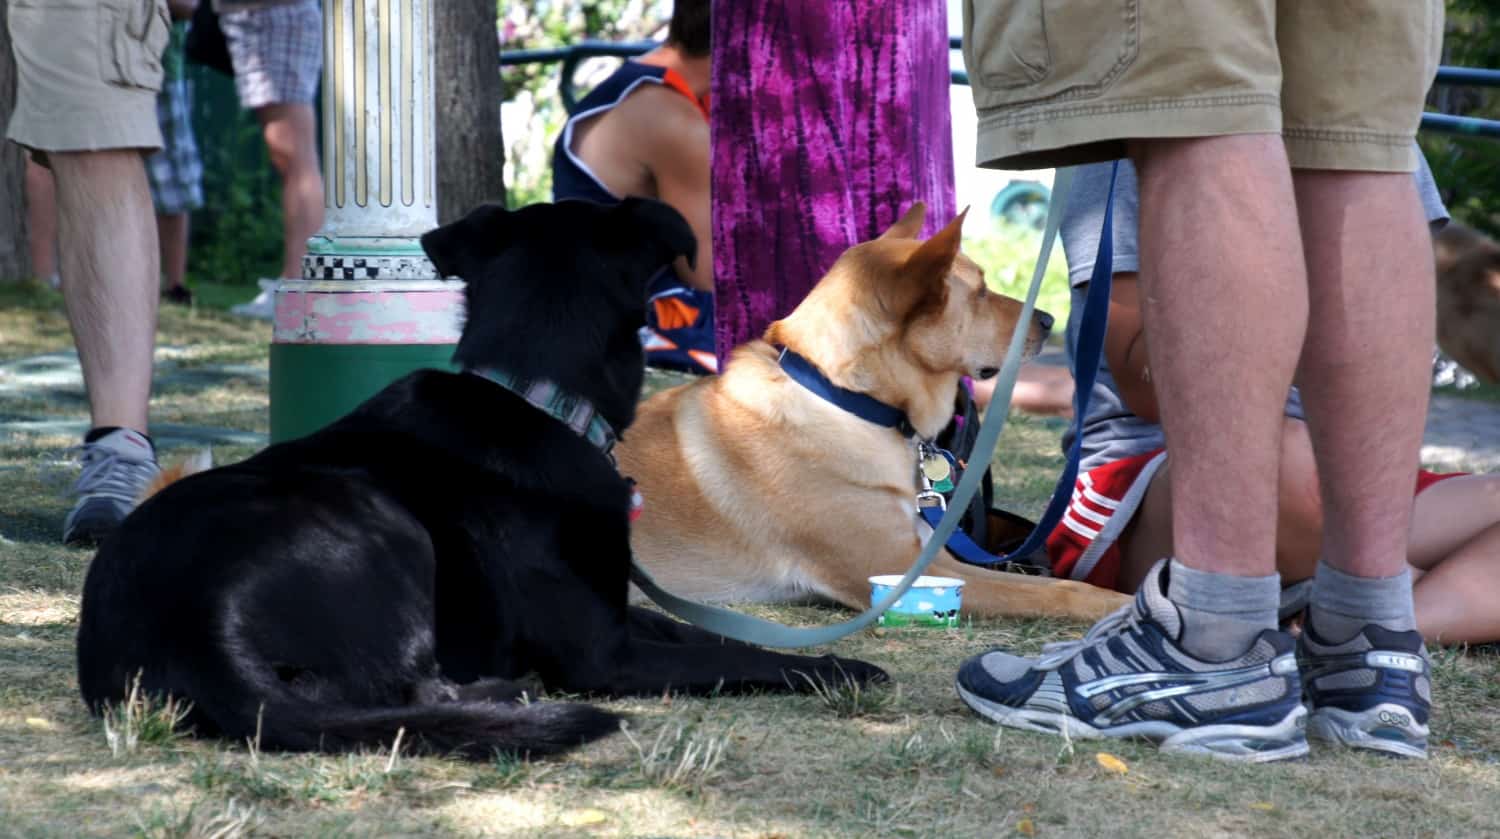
(341,267)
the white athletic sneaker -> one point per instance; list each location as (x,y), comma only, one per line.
(116,468)
(263,307)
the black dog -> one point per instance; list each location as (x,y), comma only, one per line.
(403,567)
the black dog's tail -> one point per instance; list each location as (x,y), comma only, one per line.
(475,730)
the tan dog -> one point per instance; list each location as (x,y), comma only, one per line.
(756,489)
(1468,299)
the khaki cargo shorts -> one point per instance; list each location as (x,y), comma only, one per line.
(1059,82)
(87,73)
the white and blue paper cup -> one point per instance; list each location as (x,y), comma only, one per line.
(931,601)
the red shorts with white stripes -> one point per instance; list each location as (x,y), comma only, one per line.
(1085,544)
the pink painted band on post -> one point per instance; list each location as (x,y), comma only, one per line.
(358,316)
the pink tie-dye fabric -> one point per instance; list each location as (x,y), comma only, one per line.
(829,120)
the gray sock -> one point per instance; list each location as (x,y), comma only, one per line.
(1222,614)
(1343,604)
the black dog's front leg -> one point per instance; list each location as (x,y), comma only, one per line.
(613,649)
(652,667)
(655,626)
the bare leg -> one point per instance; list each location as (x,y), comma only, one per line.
(1455,538)
(1225,306)
(1451,513)
(107,235)
(291,137)
(1366,365)
(41,219)
(1455,601)
(1299,516)
(172,232)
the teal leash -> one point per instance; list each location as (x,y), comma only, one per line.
(766,633)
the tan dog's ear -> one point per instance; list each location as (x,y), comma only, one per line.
(909,226)
(921,283)
(934,259)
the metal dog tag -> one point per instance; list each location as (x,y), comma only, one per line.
(936,468)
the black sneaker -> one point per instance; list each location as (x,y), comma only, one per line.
(179,295)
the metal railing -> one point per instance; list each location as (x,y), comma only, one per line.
(572,56)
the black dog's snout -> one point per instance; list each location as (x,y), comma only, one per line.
(1044,320)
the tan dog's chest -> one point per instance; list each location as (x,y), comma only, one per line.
(749,475)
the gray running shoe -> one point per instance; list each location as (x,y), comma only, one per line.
(1129,677)
(1373,691)
(116,468)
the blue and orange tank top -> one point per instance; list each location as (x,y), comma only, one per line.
(571,177)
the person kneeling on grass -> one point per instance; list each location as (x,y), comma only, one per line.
(1119,521)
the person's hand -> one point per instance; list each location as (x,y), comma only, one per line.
(182,9)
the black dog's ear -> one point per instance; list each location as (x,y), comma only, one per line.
(451,246)
(444,247)
(660,223)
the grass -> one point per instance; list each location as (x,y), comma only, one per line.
(143,720)
(905,760)
(221,296)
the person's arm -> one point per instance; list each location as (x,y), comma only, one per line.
(677,153)
(182,9)
(1125,348)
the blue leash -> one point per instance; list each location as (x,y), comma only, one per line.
(1090,349)
(770,634)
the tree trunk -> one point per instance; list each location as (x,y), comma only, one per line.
(15,256)
(829,120)
(470,154)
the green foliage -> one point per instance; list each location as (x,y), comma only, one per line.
(236,235)
(1468,169)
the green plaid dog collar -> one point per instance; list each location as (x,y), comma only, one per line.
(572,410)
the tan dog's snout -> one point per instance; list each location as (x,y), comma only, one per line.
(1041,327)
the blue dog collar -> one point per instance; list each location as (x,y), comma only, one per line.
(864,406)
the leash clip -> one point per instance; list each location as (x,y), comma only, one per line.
(931,498)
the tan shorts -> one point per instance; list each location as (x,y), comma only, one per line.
(87,73)
(1060,82)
